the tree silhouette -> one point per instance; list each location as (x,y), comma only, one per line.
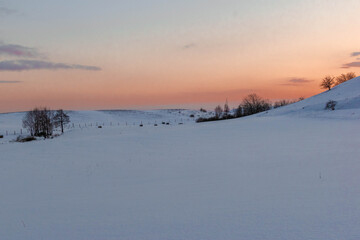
(218,111)
(226,108)
(327,82)
(60,119)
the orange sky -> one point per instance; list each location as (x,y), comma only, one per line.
(179,54)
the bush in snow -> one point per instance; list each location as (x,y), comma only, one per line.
(282,103)
(330,105)
(214,118)
(239,111)
(25,139)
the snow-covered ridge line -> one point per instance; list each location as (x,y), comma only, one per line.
(347,96)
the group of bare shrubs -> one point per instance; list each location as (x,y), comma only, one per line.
(283,102)
(253,104)
(40,122)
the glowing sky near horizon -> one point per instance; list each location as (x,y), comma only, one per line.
(87,54)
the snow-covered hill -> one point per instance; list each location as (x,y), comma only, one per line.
(347,96)
(294,175)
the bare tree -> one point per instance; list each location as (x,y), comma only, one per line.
(46,123)
(327,82)
(226,108)
(60,119)
(218,111)
(344,77)
(30,123)
(254,104)
(350,75)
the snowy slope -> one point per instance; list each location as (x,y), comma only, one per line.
(250,178)
(346,94)
(294,175)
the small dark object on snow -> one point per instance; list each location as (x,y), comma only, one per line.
(180,123)
(162,122)
(1,136)
(99,126)
(167,123)
(330,105)
(192,115)
(155,125)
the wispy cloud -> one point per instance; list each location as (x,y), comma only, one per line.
(299,80)
(355,54)
(6,11)
(10,82)
(352,64)
(296,81)
(189,46)
(19,51)
(23,65)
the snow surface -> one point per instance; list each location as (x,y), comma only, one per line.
(284,175)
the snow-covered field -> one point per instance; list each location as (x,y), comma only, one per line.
(284,174)
(11,123)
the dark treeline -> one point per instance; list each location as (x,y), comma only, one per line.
(251,104)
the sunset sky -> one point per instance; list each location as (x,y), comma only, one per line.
(114,54)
